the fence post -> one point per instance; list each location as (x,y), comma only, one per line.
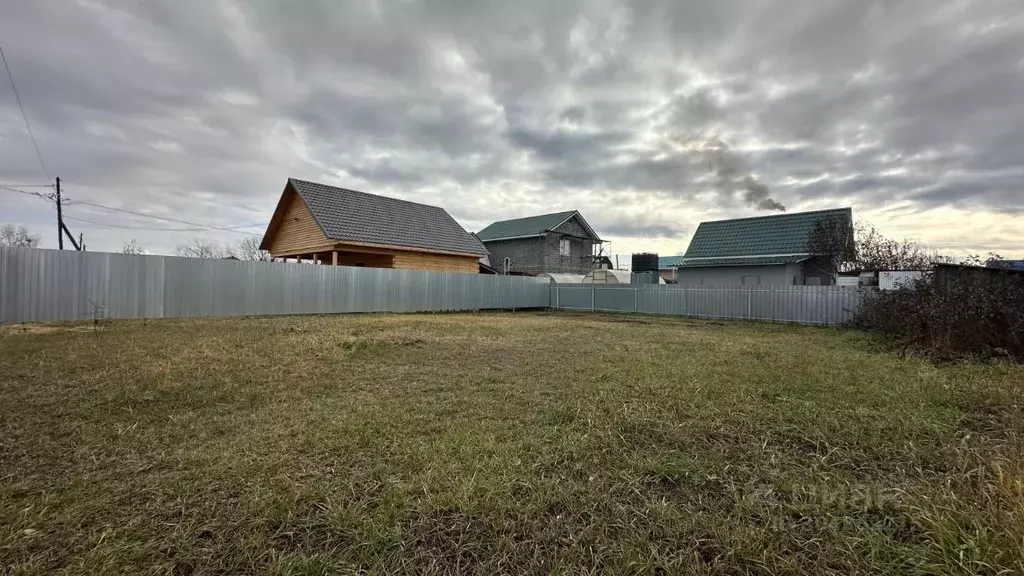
(636,297)
(558,300)
(593,295)
(748,303)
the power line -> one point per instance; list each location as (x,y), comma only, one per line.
(197,227)
(205,226)
(146,228)
(26,192)
(23,115)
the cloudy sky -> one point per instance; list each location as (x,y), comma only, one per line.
(647,116)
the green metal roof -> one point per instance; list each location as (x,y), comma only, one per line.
(529,226)
(743,261)
(669,261)
(778,235)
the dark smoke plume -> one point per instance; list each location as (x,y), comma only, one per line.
(732,176)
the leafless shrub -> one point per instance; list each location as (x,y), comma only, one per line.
(99,315)
(970,312)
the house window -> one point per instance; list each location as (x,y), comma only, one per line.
(564,248)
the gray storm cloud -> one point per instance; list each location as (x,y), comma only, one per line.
(201,110)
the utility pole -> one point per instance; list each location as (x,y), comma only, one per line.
(60,219)
(62,229)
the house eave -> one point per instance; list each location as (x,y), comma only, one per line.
(717,262)
(485,241)
(345,246)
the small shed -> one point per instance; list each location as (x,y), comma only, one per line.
(608,277)
(896,279)
(558,278)
(848,281)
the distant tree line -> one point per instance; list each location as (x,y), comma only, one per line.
(247,248)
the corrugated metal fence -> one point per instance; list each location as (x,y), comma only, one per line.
(824,305)
(44,285)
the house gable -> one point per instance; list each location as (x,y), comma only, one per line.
(293,227)
(576,226)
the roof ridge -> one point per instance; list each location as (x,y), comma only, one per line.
(535,216)
(849,208)
(290,179)
(768,255)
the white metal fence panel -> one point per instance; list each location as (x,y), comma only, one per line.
(46,285)
(824,305)
(896,279)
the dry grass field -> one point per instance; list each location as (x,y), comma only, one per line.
(501,444)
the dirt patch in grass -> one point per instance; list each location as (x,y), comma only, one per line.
(526,443)
(626,320)
(30,329)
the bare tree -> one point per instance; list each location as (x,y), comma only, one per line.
(864,248)
(199,248)
(833,238)
(248,248)
(17,237)
(132,247)
(876,252)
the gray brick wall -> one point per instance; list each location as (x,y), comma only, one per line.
(525,254)
(538,255)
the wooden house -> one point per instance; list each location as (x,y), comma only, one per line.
(336,226)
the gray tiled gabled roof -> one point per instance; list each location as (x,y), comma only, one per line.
(781,234)
(352,216)
(529,226)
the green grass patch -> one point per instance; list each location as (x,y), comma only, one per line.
(501,444)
